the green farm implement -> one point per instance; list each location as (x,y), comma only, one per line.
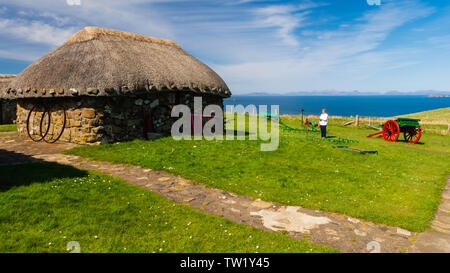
(287,128)
(338,140)
(269,116)
(356,150)
(311,124)
(392,128)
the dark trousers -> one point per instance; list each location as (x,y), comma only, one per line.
(323,130)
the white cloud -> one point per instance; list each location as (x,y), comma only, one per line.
(35,31)
(40,26)
(20,54)
(331,59)
(254,45)
(73,2)
(442,41)
(245,1)
(284,18)
(124,15)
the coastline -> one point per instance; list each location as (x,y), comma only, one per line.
(345,106)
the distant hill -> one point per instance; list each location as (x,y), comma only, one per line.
(430,93)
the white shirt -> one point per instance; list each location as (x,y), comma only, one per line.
(323,120)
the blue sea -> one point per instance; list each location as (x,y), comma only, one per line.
(372,106)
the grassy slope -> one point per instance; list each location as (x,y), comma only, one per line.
(441,116)
(45,206)
(401,186)
(8,128)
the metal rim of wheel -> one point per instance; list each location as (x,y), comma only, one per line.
(62,130)
(42,136)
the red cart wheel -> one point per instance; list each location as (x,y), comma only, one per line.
(413,136)
(391,131)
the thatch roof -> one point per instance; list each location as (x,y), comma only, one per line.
(5,79)
(104,62)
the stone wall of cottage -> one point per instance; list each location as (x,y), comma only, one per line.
(7,111)
(95,120)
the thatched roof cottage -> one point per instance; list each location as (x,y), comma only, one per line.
(110,86)
(7,107)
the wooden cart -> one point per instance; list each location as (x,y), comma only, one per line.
(392,128)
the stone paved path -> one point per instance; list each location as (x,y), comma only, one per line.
(438,239)
(338,231)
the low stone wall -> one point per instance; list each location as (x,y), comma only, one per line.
(102,119)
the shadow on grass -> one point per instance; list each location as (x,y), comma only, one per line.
(10,157)
(238,133)
(404,141)
(40,172)
(225,133)
(152,137)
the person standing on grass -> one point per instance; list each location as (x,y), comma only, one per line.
(323,122)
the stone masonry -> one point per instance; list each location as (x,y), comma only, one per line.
(95,120)
(7,111)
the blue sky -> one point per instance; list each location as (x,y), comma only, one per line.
(256,45)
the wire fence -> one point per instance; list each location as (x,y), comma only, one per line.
(373,122)
(378,122)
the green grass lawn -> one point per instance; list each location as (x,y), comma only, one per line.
(8,128)
(401,186)
(45,206)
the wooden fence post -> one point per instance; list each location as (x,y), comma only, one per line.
(304,110)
